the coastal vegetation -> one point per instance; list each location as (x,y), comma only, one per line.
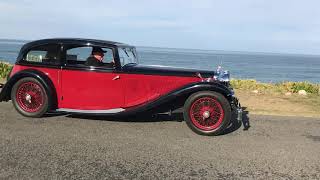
(275,88)
(284,98)
(5,69)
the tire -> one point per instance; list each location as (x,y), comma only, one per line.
(29,97)
(207,113)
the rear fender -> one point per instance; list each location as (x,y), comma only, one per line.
(5,94)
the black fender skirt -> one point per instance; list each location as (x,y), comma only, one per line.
(5,94)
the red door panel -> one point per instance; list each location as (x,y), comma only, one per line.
(89,90)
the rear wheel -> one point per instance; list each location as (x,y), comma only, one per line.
(29,97)
(207,113)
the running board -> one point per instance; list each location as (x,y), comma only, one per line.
(108,111)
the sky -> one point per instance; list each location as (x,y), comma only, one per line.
(277,26)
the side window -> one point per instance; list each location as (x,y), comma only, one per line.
(80,55)
(46,54)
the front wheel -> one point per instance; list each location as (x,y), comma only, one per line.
(29,97)
(207,113)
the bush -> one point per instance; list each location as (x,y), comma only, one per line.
(250,84)
(5,69)
(294,87)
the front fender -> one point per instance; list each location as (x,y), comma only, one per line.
(5,94)
(204,86)
(183,92)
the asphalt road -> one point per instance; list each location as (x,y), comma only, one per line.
(68,147)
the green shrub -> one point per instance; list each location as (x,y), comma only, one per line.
(250,84)
(294,87)
(5,69)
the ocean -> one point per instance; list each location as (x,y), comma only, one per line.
(264,67)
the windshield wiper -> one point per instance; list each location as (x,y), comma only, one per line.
(126,52)
(134,53)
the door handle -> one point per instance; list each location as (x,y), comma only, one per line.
(116,78)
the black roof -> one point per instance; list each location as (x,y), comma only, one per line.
(73,40)
(80,41)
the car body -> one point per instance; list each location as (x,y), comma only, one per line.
(51,75)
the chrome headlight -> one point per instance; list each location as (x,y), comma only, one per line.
(225,77)
(221,75)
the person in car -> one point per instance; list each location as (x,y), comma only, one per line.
(96,57)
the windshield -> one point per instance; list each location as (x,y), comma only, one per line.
(127,55)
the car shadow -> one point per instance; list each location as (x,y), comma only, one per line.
(55,114)
(235,124)
(149,118)
(245,119)
(143,118)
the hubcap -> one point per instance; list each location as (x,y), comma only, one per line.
(206,113)
(28,98)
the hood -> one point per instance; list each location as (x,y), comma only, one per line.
(165,70)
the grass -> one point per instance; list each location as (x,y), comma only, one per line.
(279,104)
(270,99)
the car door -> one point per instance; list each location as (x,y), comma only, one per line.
(88,87)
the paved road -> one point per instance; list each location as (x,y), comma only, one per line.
(64,147)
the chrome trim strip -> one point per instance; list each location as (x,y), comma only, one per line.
(108,111)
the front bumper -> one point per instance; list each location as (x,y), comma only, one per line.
(236,106)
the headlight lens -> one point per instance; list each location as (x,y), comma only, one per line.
(221,75)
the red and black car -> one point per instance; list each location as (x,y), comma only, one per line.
(52,75)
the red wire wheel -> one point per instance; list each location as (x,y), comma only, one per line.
(206,113)
(29,97)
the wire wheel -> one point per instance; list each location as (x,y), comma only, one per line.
(206,113)
(29,97)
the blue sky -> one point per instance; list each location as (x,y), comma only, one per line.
(285,26)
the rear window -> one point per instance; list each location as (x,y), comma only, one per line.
(45,54)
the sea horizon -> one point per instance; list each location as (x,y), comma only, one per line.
(22,41)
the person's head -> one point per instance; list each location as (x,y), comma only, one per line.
(98,53)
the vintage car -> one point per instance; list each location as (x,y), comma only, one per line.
(52,75)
